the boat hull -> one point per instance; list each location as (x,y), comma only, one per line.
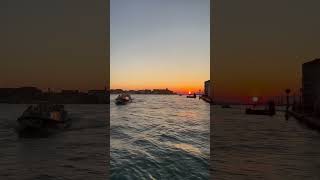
(121,102)
(260,112)
(40,127)
(191,96)
(123,99)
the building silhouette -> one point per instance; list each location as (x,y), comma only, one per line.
(144,91)
(311,86)
(207,88)
(32,95)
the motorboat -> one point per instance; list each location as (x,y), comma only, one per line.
(42,120)
(269,110)
(123,99)
(259,112)
(192,96)
(226,106)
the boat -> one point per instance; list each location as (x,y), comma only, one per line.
(269,110)
(123,99)
(192,96)
(226,106)
(259,112)
(42,120)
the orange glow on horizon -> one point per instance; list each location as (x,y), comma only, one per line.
(176,89)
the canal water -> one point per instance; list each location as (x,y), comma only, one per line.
(77,153)
(160,137)
(263,147)
(154,137)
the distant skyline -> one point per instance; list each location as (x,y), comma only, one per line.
(259,46)
(160,44)
(53,44)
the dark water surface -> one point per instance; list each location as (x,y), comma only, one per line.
(78,153)
(160,137)
(263,147)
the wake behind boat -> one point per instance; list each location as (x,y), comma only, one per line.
(42,120)
(123,99)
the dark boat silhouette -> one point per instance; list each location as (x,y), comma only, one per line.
(123,99)
(269,110)
(192,96)
(226,106)
(42,120)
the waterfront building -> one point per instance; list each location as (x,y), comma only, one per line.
(101,95)
(162,91)
(145,91)
(6,94)
(116,91)
(69,92)
(208,89)
(19,95)
(97,92)
(311,85)
(208,92)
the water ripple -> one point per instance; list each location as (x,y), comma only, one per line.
(263,147)
(166,137)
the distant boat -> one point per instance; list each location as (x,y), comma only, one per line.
(192,96)
(259,112)
(269,110)
(42,120)
(226,106)
(123,99)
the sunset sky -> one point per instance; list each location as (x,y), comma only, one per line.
(53,44)
(160,44)
(259,46)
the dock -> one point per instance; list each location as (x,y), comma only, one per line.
(306,119)
(206,99)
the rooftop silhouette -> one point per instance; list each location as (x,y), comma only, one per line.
(32,95)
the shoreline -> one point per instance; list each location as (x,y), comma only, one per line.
(308,120)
